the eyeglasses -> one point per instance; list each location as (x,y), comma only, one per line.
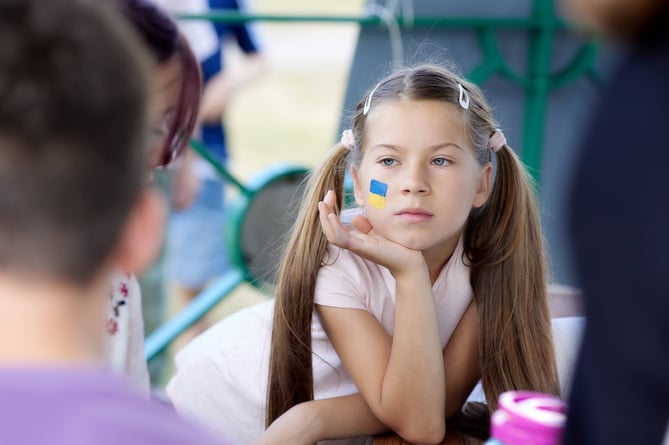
(162,128)
(177,124)
(159,138)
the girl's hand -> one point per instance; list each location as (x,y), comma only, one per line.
(184,184)
(295,426)
(365,242)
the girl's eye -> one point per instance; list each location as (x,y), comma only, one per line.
(440,162)
(388,162)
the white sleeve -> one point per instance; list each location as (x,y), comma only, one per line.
(198,392)
(221,376)
(340,283)
(567,335)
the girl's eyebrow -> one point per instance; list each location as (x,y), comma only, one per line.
(430,148)
(444,145)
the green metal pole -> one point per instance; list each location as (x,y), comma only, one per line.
(220,168)
(536,99)
(161,338)
(226,16)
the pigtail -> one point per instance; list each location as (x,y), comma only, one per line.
(508,274)
(290,369)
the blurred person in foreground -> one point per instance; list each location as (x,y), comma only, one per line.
(177,87)
(74,128)
(619,221)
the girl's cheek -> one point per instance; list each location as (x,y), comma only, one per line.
(376,196)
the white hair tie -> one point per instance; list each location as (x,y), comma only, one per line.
(347,139)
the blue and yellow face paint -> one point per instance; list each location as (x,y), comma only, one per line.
(377,194)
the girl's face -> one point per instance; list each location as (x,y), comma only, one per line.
(167,81)
(419,149)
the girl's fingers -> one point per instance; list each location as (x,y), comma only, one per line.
(340,233)
(361,224)
(330,199)
(334,229)
(329,225)
(323,213)
(360,238)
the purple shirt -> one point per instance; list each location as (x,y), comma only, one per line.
(75,406)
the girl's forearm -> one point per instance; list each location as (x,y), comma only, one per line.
(413,389)
(338,418)
(347,416)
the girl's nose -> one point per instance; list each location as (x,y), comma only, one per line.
(415,181)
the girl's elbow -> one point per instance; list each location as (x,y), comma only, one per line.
(421,423)
(422,429)
(424,434)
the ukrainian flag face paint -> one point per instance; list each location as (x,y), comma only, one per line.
(377,194)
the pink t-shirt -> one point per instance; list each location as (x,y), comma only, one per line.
(349,281)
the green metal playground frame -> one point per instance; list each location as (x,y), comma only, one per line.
(538,82)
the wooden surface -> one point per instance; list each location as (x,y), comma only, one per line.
(450,439)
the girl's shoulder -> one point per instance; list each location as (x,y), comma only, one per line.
(344,266)
(346,279)
(347,261)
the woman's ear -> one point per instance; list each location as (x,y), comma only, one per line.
(357,189)
(483,191)
(142,235)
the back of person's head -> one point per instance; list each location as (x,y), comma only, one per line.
(502,240)
(73,129)
(159,32)
(629,19)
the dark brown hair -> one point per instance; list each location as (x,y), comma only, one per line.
(503,246)
(73,125)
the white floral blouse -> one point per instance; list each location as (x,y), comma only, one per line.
(125,330)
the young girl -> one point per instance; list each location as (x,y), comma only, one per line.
(388,325)
(176,97)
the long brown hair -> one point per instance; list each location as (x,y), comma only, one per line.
(503,246)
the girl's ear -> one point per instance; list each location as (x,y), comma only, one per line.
(483,191)
(357,189)
(142,235)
